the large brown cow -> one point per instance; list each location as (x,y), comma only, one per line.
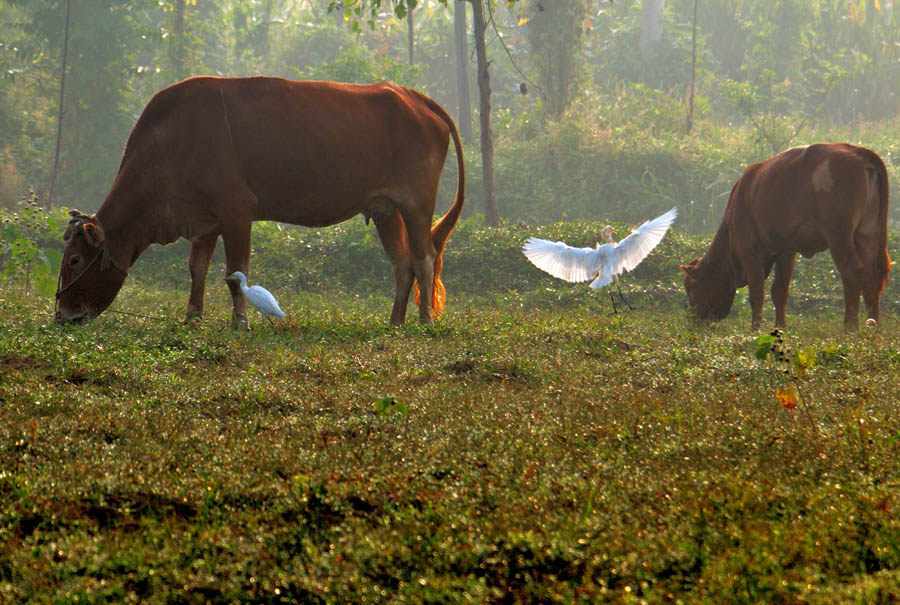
(830,196)
(208,156)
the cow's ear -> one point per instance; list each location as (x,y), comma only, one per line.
(93,232)
(692,267)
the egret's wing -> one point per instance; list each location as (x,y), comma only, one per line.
(264,301)
(633,249)
(276,310)
(561,260)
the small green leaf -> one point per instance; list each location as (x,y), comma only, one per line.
(762,346)
(803,361)
(401,409)
(382,405)
(386,406)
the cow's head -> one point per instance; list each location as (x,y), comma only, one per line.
(89,278)
(710,296)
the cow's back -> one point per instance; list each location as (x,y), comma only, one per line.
(312,153)
(794,199)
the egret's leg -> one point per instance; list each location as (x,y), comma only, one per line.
(622,296)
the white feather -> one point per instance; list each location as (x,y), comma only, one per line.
(602,263)
(259,297)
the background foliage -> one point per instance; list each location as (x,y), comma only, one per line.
(599,132)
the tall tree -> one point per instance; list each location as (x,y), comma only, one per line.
(62,97)
(652,20)
(693,88)
(102,43)
(555,39)
(410,34)
(179,66)
(491,209)
(460,38)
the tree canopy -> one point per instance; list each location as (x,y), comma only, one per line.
(778,68)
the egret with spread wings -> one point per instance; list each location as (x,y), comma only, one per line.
(605,262)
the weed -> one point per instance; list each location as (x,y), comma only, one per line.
(23,249)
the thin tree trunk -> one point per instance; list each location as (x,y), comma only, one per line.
(178,58)
(463,106)
(409,33)
(491,211)
(59,117)
(652,15)
(690,117)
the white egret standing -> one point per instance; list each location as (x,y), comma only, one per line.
(604,262)
(258,296)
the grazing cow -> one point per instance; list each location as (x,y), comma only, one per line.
(208,156)
(830,196)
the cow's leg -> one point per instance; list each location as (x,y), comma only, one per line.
(850,267)
(784,268)
(871,289)
(756,280)
(236,238)
(392,233)
(872,279)
(202,250)
(423,253)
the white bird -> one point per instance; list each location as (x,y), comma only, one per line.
(604,262)
(258,296)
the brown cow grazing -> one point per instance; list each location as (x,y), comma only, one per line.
(830,196)
(209,156)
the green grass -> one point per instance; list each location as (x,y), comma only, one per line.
(530,447)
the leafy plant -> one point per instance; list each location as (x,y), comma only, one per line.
(772,344)
(387,407)
(23,252)
(794,364)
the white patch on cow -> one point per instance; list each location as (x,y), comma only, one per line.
(821,178)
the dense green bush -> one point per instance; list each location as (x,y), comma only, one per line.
(478,261)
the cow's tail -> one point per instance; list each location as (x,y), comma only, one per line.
(877,170)
(441,229)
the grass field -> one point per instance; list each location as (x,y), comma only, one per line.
(530,447)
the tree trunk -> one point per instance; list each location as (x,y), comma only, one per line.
(463,106)
(178,60)
(693,90)
(410,35)
(59,117)
(491,212)
(652,15)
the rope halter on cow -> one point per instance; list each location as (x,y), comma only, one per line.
(76,224)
